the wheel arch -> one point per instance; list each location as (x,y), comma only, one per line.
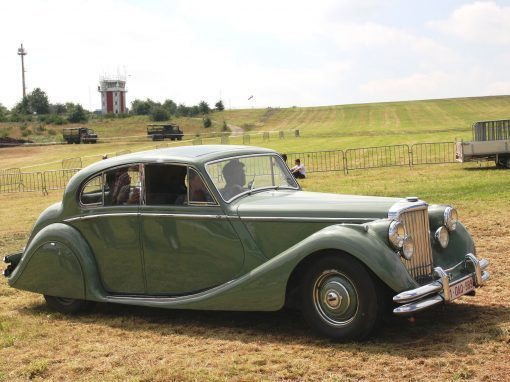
(59,262)
(295,279)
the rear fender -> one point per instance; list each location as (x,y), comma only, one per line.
(58,262)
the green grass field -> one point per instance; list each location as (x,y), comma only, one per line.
(466,340)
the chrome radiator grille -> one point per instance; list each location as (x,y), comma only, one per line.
(417,224)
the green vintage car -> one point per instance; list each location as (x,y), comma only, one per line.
(228,228)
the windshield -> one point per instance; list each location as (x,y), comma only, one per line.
(235,176)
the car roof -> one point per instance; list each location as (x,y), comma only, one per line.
(194,154)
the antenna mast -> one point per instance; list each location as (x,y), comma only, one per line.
(22,52)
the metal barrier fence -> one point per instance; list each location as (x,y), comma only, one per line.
(319,161)
(433,153)
(376,157)
(13,180)
(10,180)
(42,181)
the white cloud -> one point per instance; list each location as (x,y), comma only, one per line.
(466,81)
(285,52)
(485,22)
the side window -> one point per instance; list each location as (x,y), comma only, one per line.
(198,192)
(92,192)
(122,186)
(165,184)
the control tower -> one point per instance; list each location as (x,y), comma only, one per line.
(113,94)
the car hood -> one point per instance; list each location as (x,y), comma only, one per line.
(302,204)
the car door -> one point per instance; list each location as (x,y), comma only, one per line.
(110,224)
(188,243)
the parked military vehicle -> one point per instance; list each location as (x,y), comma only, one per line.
(491,141)
(159,132)
(79,135)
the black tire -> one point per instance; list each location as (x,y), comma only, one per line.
(68,305)
(339,298)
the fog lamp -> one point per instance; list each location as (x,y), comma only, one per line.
(408,248)
(442,236)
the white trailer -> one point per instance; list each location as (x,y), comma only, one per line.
(491,141)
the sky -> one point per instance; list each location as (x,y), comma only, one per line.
(283,52)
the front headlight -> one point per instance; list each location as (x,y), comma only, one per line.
(450,218)
(408,248)
(396,234)
(442,236)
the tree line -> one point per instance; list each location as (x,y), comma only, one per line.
(168,109)
(36,104)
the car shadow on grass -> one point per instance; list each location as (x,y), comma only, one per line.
(450,328)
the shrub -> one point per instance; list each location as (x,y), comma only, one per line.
(26,132)
(159,114)
(52,132)
(77,114)
(207,122)
(219,105)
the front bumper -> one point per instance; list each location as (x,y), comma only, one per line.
(438,291)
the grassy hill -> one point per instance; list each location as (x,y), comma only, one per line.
(426,116)
(325,128)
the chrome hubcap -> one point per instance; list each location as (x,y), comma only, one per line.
(335,298)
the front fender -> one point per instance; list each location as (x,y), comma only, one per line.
(58,262)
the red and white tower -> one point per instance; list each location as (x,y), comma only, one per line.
(113,94)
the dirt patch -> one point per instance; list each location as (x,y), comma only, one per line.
(9,142)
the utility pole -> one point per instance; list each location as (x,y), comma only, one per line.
(22,52)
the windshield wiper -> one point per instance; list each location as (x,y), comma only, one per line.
(252,183)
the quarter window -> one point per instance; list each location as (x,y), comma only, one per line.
(92,192)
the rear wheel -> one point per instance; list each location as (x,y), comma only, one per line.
(67,305)
(339,298)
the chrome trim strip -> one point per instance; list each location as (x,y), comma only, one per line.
(170,215)
(306,219)
(418,306)
(185,216)
(415,294)
(403,206)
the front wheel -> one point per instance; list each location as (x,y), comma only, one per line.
(339,298)
(67,305)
